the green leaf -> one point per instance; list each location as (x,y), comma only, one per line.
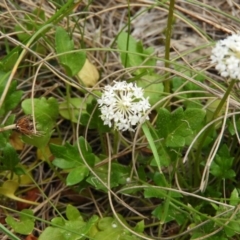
(118,176)
(69,109)
(140,226)
(234,197)
(72,62)
(160,193)
(222,164)
(92,118)
(69,157)
(70,153)
(166,155)
(189,86)
(175,141)
(152,87)
(149,60)
(232,228)
(219,171)
(51,233)
(72,212)
(135,51)
(163,122)
(63,163)
(9,61)
(173,214)
(232,128)
(31,23)
(39,14)
(179,83)
(25,225)
(159,180)
(128,43)
(58,221)
(110,228)
(67,152)
(3,140)
(175,127)
(22,35)
(72,229)
(76,175)
(13,96)
(47,109)
(90,228)
(194,117)
(4,136)
(9,158)
(84,146)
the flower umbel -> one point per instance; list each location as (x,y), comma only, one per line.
(123,105)
(226,55)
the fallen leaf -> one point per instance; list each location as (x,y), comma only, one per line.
(16,141)
(45,153)
(31,237)
(30,195)
(9,188)
(88,74)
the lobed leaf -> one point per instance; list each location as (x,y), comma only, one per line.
(71,61)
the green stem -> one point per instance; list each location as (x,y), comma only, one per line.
(208,131)
(152,145)
(128,36)
(8,233)
(167,83)
(116,142)
(62,12)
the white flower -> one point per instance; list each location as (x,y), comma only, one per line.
(226,55)
(114,225)
(128,180)
(123,106)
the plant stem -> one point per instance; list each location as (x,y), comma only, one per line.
(61,13)
(209,129)
(9,127)
(167,83)
(153,147)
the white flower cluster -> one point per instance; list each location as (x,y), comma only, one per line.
(123,105)
(226,56)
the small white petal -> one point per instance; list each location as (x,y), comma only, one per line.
(123,105)
(226,56)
